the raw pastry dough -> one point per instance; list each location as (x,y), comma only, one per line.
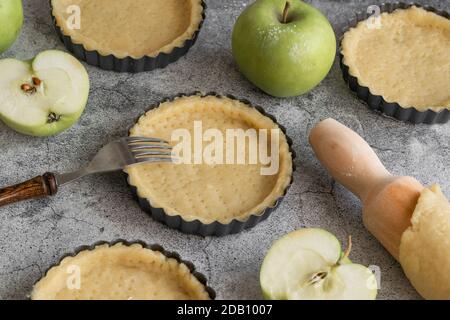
(406,61)
(120,272)
(209,193)
(425,246)
(134,28)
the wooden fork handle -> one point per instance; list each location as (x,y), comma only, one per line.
(40,186)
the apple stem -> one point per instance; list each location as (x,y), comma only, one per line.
(349,248)
(286,12)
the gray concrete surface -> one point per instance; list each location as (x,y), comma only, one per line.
(33,235)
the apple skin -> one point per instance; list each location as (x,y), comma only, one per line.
(11,21)
(47,130)
(283,59)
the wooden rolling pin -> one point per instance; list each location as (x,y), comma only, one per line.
(388,200)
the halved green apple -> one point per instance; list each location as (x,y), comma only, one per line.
(308,264)
(44,96)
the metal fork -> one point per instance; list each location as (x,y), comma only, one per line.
(114,156)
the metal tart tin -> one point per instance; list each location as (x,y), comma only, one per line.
(215,228)
(376,102)
(127,64)
(155,247)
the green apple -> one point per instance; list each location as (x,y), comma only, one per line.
(308,264)
(285,48)
(11,20)
(44,96)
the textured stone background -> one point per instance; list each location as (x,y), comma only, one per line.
(33,235)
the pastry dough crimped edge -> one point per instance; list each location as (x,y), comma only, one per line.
(346,45)
(285,166)
(40,292)
(76,38)
(425,246)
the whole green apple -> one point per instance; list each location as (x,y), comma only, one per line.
(11,20)
(283,47)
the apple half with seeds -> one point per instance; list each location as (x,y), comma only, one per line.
(43,96)
(308,264)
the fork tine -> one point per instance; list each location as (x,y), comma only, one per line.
(140,154)
(149,150)
(133,140)
(135,148)
(153,159)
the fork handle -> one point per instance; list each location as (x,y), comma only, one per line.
(37,187)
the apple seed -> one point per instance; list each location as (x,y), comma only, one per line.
(317,277)
(36,81)
(28,88)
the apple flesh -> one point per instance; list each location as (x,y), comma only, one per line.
(11,20)
(44,96)
(285,48)
(308,264)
